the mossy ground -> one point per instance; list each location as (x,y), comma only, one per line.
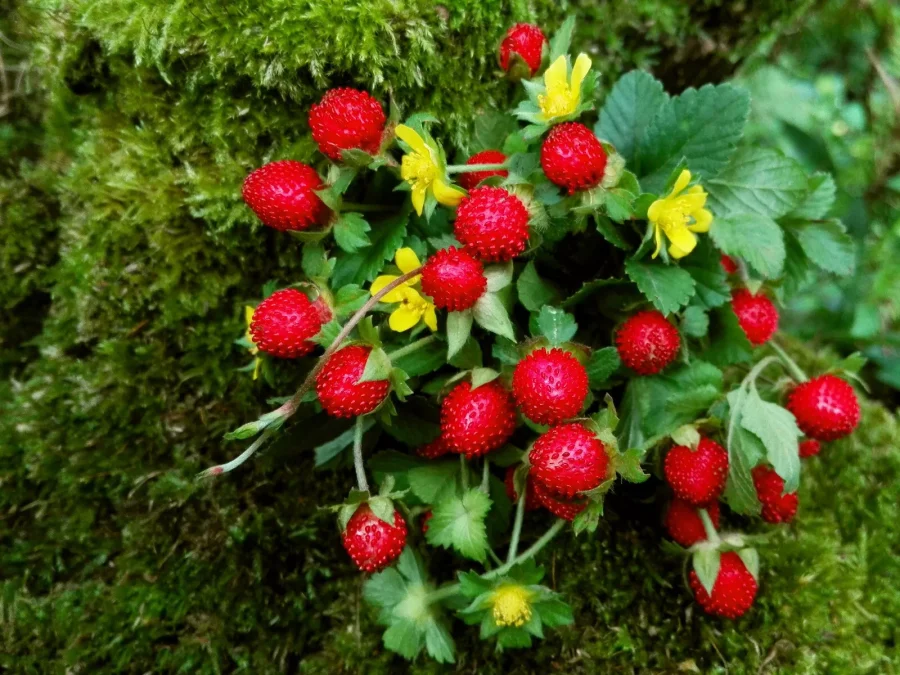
(127,258)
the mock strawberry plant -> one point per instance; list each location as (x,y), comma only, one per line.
(568,309)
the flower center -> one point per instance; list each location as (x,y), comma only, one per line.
(511,606)
(557,102)
(418,170)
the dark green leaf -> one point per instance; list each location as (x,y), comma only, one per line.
(533,291)
(350,232)
(627,111)
(757,180)
(557,325)
(756,239)
(669,288)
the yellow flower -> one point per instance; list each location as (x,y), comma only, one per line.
(563,91)
(679,214)
(511,605)
(422,170)
(412,306)
(257,362)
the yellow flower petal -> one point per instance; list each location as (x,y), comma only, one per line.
(403,318)
(683,241)
(657,234)
(683,179)
(409,136)
(579,71)
(447,194)
(703,220)
(656,210)
(430,317)
(418,198)
(396,295)
(557,75)
(406,260)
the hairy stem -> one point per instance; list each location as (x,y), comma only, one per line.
(791,365)
(361,481)
(412,347)
(463,472)
(485,475)
(711,535)
(517,525)
(470,168)
(240,459)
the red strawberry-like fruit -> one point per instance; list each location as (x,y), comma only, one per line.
(372,543)
(284,323)
(340,391)
(550,385)
(810,448)
(437,448)
(732,593)
(492,223)
(776,507)
(560,507)
(471,180)
(826,407)
(526,40)
(425,518)
(697,476)
(569,459)
(647,342)
(684,524)
(347,119)
(573,158)
(728,264)
(756,314)
(283,195)
(476,421)
(531,500)
(454,279)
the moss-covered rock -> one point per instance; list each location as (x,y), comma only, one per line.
(130,258)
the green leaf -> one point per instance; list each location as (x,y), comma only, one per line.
(498,276)
(750,556)
(562,39)
(601,365)
(555,324)
(777,429)
(350,232)
(728,343)
(481,376)
(706,562)
(434,481)
(756,239)
(438,642)
(423,360)
(554,612)
(328,333)
(492,129)
(459,327)
(818,200)
(533,291)
(364,265)
(701,126)
(490,314)
(851,364)
(629,466)
(757,180)
(403,637)
(458,523)
(828,245)
(609,231)
(417,423)
(745,451)
(331,449)
(315,262)
(378,367)
(695,322)
(385,589)
(383,509)
(589,288)
(626,114)
(349,299)
(669,288)
(469,356)
(619,207)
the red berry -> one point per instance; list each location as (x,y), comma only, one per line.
(647,342)
(282,194)
(728,264)
(569,459)
(425,518)
(697,476)
(531,500)
(526,40)
(560,507)
(826,407)
(810,448)
(454,279)
(684,524)
(372,543)
(734,590)
(550,385)
(573,158)
(776,507)
(471,180)
(340,391)
(476,421)
(437,448)
(756,314)
(284,323)
(347,119)
(492,223)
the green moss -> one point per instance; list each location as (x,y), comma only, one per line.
(119,192)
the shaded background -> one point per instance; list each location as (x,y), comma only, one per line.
(126,128)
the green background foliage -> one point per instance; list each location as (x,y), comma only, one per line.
(128,257)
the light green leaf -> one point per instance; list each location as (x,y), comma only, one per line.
(745,451)
(629,466)
(331,449)
(349,299)
(555,324)
(435,480)
(459,327)
(315,262)
(554,612)
(458,523)
(818,201)
(378,367)
(695,322)
(438,642)
(490,314)
(757,180)
(756,239)
(750,556)
(562,39)
(706,562)
(385,589)
(701,126)
(630,106)
(350,232)
(669,288)
(828,245)
(533,291)
(777,429)
(481,376)
(403,637)
(498,276)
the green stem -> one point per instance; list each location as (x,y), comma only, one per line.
(485,475)
(517,525)
(711,535)
(411,347)
(463,472)
(442,593)
(361,481)
(470,168)
(363,208)
(792,366)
